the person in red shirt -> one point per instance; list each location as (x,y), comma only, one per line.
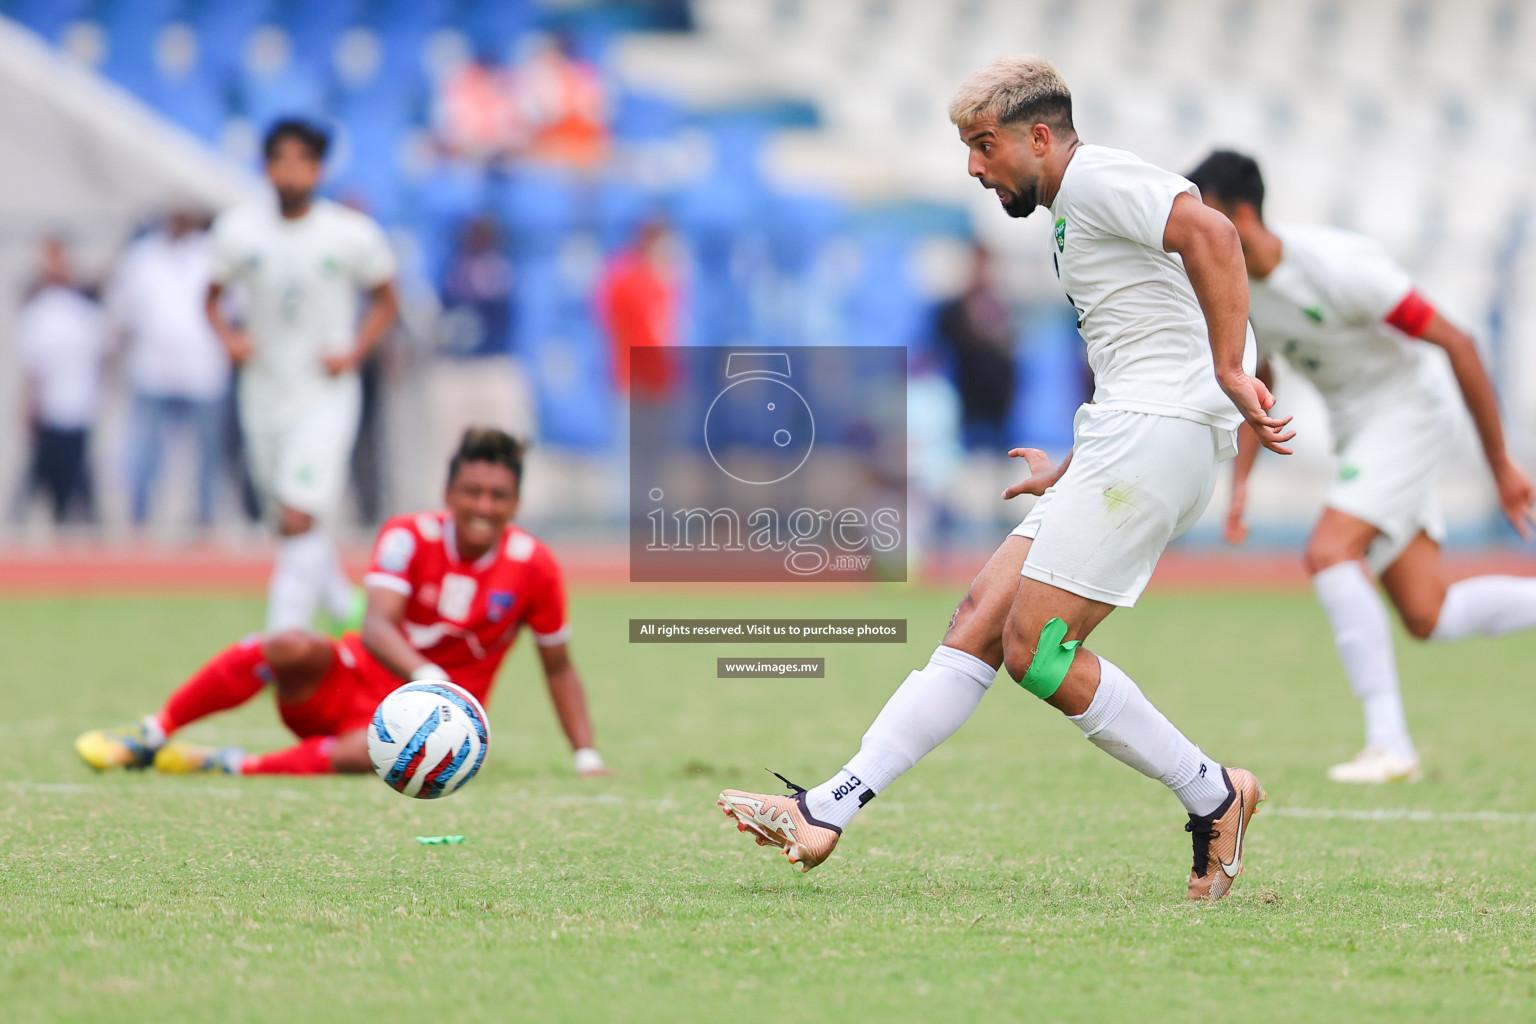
(637,302)
(448,592)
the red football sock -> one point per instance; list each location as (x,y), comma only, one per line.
(231,677)
(310,757)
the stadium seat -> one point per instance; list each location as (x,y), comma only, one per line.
(49,18)
(539,208)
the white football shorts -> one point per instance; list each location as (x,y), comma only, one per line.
(299,448)
(1137,480)
(1387,472)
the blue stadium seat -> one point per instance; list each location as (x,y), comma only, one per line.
(640,117)
(620,207)
(418,16)
(885,307)
(1050,382)
(48,18)
(315,27)
(194,102)
(539,208)
(441,205)
(222,29)
(297,91)
(799,228)
(493,25)
(131,30)
(572,380)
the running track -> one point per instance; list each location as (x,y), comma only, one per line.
(103,569)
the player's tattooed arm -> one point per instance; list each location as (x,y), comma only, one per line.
(382,634)
(234,340)
(570,701)
(1515,490)
(383,307)
(1213,258)
(1042,474)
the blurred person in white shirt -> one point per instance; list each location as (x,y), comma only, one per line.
(302,260)
(177,369)
(62,338)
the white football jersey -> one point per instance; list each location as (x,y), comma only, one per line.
(1147,339)
(1323,310)
(302,279)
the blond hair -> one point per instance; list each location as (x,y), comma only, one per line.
(1014,88)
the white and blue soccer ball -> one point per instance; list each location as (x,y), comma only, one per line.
(428,739)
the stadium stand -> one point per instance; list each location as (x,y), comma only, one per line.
(800,148)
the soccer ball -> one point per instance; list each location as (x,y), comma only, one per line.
(427,739)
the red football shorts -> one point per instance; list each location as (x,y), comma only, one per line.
(342,702)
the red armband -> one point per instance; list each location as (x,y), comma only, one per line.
(1412,315)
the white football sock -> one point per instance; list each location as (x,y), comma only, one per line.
(922,713)
(338,585)
(298,579)
(1363,637)
(154,732)
(1121,722)
(1487,606)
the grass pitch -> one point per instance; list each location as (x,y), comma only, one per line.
(1016,874)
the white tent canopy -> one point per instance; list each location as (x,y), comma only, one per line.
(84,158)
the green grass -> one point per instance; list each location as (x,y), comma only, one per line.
(1016,874)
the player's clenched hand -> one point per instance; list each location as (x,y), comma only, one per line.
(336,365)
(1042,472)
(1254,401)
(239,347)
(1516,495)
(1236,530)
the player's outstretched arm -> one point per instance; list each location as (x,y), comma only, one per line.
(1515,490)
(382,635)
(570,702)
(233,339)
(1247,453)
(1042,475)
(1213,258)
(383,307)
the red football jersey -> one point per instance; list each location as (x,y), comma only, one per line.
(463,616)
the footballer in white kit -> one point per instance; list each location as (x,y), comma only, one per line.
(1161,296)
(302,262)
(1343,314)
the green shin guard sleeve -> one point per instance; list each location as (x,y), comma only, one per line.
(1052,659)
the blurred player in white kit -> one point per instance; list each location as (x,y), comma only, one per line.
(302,261)
(1343,314)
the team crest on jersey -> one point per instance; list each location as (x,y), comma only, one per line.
(498,603)
(1061,234)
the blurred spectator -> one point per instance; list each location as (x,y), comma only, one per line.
(178,372)
(552,108)
(976,330)
(564,104)
(477,379)
(637,303)
(477,293)
(476,113)
(62,337)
